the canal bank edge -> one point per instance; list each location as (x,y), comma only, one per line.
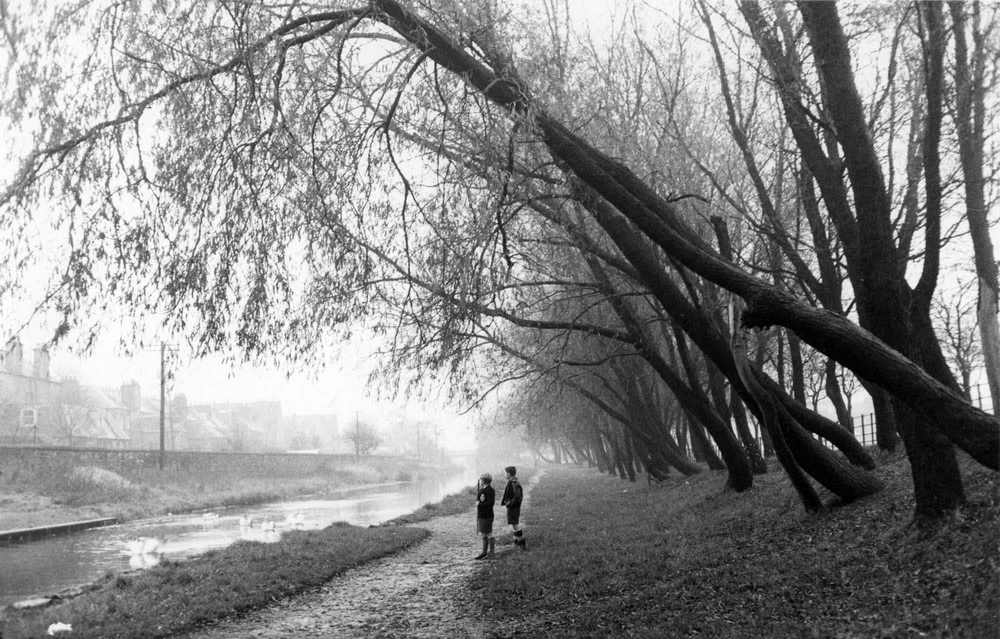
(38,532)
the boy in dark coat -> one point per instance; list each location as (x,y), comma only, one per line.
(485,498)
(512,496)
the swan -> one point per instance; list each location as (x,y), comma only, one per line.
(296,520)
(143,545)
(267,526)
(142,562)
(208,519)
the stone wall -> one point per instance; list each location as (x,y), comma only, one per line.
(16,461)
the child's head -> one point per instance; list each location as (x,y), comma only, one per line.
(485,478)
(511,471)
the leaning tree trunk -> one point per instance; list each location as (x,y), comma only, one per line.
(815,423)
(749,442)
(798,374)
(651,437)
(703,450)
(835,395)
(735,411)
(695,404)
(680,427)
(886,429)
(695,323)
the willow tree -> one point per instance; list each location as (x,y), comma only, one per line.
(204,156)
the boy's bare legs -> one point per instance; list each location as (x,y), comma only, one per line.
(486,545)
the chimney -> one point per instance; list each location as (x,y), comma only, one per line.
(40,367)
(131,396)
(13,356)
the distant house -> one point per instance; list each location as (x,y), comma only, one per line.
(251,426)
(94,419)
(203,431)
(37,410)
(29,400)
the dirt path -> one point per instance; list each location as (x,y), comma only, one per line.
(417,593)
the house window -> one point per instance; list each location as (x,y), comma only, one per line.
(29,417)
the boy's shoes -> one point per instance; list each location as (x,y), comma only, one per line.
(481,556)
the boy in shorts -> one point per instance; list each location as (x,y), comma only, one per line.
(485,498)
(512,496)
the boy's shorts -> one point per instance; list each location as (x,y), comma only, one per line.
(484,526)
(513,516)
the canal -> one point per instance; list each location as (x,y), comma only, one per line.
(46,566)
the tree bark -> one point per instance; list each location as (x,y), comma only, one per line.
(886,424)
(835,395)
(970,112)
(798,375)
(750,444)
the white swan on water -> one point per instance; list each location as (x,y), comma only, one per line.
(143,545)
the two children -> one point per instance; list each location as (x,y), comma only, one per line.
(486,497)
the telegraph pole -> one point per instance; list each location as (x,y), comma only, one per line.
(163,401)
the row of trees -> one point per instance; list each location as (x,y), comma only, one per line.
(596,224)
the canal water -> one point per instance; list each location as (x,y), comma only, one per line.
(46,566)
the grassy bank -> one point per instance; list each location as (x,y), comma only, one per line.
(174,597)
(684,559)
(73,493)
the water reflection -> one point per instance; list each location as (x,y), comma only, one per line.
(48,565)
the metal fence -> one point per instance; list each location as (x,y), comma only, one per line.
(864,425)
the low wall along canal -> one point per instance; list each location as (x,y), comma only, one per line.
(38,461)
